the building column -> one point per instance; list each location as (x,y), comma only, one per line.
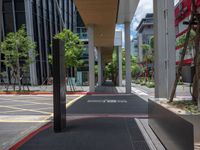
(29,28)
(91,58)
(120,65)
(165,54)
(128,57)
(140,48)
(99,67)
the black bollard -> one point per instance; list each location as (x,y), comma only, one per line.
(59,88)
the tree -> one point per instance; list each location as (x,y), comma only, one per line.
(190,47)
(15,49)
(191,25)
(111,69)
(73,47)
(148,55)
(135,68)
(73,50)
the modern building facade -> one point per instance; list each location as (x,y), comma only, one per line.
(82,73)
(43,19)
(134,47)
(144,33)
(183,13)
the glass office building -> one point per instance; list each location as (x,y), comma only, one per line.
(43,19)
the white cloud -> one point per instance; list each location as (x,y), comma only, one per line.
(143,8)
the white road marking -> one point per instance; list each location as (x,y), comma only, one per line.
(107,101)
(138,92)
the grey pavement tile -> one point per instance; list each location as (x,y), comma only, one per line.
(4,109)
(32,106)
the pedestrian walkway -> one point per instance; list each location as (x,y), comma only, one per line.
(97,122)
(91,134)
(106,104)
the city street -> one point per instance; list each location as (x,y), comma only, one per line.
(20,115)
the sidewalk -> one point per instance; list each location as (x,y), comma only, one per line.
(97,122)
(182,92)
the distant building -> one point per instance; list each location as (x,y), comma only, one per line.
(134,47)
(183,13)
(144,33)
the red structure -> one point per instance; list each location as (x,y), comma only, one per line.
(183,13)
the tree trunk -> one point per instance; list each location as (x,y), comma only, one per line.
(182,59)
(194,89)
(197,62)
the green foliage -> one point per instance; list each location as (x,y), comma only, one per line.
(186,105)
(150,84)
(73,48)
(181,40)
(135,68)
(50,59)
(148,53)
(152,42)
(16,49)
(111,68)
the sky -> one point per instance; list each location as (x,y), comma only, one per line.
(140,13)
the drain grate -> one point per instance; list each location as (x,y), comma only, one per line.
(138,140)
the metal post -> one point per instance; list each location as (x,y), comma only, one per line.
(59,88)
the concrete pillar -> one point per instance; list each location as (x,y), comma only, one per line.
(165,54)
(99,67)
(91,58)
(103,69)
(120,65)
(128,57)
(140,48)
(30,32)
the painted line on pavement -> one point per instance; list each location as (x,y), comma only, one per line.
(30,110)
(138,92)
(25,101)
(24,119)
(73,101)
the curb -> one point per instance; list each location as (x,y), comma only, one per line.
(29,136)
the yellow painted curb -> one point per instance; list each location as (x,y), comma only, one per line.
(73,101)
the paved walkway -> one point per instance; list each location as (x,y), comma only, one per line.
(103,122)
(91,134)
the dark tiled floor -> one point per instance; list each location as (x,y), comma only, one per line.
(91,134)
(126,104)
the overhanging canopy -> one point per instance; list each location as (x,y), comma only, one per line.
(104,15)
